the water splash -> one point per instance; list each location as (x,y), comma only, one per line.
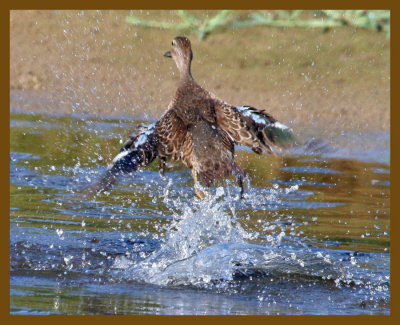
(192,245)
(271,248)
(206,247)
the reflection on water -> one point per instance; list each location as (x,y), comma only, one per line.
(311,235)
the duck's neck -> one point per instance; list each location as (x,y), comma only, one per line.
(185,76)
(185,72)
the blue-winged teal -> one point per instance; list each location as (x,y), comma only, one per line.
(198,128)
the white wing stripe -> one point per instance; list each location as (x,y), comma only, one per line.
(280,126)
(120,156)
(144,136)
(250,112)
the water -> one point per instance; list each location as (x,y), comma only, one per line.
(311,236)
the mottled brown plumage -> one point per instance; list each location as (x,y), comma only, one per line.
(199,129)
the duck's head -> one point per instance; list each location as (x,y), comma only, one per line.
(181,52)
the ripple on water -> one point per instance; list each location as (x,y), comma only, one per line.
(150,242)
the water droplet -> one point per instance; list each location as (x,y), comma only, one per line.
(60,233)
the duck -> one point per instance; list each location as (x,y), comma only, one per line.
(200,130)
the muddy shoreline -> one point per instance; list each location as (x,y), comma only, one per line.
(94,62)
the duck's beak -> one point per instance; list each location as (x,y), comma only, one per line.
(168,54)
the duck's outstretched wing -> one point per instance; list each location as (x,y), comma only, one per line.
(165,139)
(138,151)
(252,127)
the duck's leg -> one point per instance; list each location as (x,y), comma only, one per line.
(240,175)
(198,192)
(161,166)
(240,183)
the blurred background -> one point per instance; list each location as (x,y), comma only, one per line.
(326,68)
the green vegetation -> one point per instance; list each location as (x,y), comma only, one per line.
(370,19)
